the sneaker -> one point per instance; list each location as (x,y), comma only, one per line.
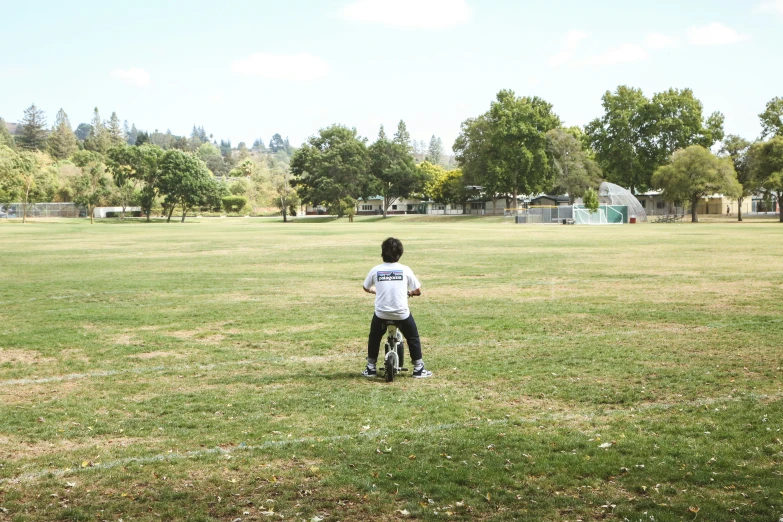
(370,372)
(420,372)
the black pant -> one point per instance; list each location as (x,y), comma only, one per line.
(406,326)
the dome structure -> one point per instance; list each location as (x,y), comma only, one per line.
(611,194)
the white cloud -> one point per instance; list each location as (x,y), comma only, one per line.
(624,54)
(133,76)
(661,41)
(426,14)
(715,34)
(300,66)
(771,6)
(570,43)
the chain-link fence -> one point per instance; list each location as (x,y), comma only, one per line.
(43,210)
(540,215)
(567,215)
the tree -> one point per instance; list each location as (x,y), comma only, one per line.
(6,138)
(736,149)
(348,207)
(619,138)
(132,135)
(636,135)
(772,118)
(98,139)
(142,138)
(82,132)
(402,136)
(693,174)
(185,181)
(114,130)
(505,148)
(122,162)
(242,152)
(330,166)
(284,195)
(29,178)
(673,121)
(136,167)
(31,134)
(210,155)
(258,145)
(7,174)
(277,144)
(450,189)
(92,186)
(574,171)
(394,173)
(62,141)
(435,150)
(433,176)
(766,163)
(590,200)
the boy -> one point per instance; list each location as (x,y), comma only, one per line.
(392,283)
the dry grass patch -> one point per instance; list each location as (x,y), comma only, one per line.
(126,340)
(74,354)
(8,355)
(14,449)
(156,355)
(37,393)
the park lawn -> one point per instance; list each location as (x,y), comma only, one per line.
(209,371)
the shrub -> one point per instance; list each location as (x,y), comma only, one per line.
(234,203)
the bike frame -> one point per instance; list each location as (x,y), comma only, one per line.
(394,352)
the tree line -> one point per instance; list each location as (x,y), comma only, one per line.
(520,147)
(517,147)
(106,163)
(109,163)
(336,168)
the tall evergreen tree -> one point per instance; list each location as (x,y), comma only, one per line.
(435,150)
(116,136)
(402,136)
(98,140)
(276,144)
(62,141)
(142,138)
(259,145)
(133,135)
(6,138)
(83,131)
(32,129)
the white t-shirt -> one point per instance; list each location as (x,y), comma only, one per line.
(392,282)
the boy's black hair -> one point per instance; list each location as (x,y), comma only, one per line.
(391,250)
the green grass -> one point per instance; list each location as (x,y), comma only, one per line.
(209,371)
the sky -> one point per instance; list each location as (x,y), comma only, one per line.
(247,69)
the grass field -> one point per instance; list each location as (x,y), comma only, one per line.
(209,371)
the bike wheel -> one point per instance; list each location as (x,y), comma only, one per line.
(390,365)
(401,354)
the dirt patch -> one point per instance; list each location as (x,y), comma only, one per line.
(22,357)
